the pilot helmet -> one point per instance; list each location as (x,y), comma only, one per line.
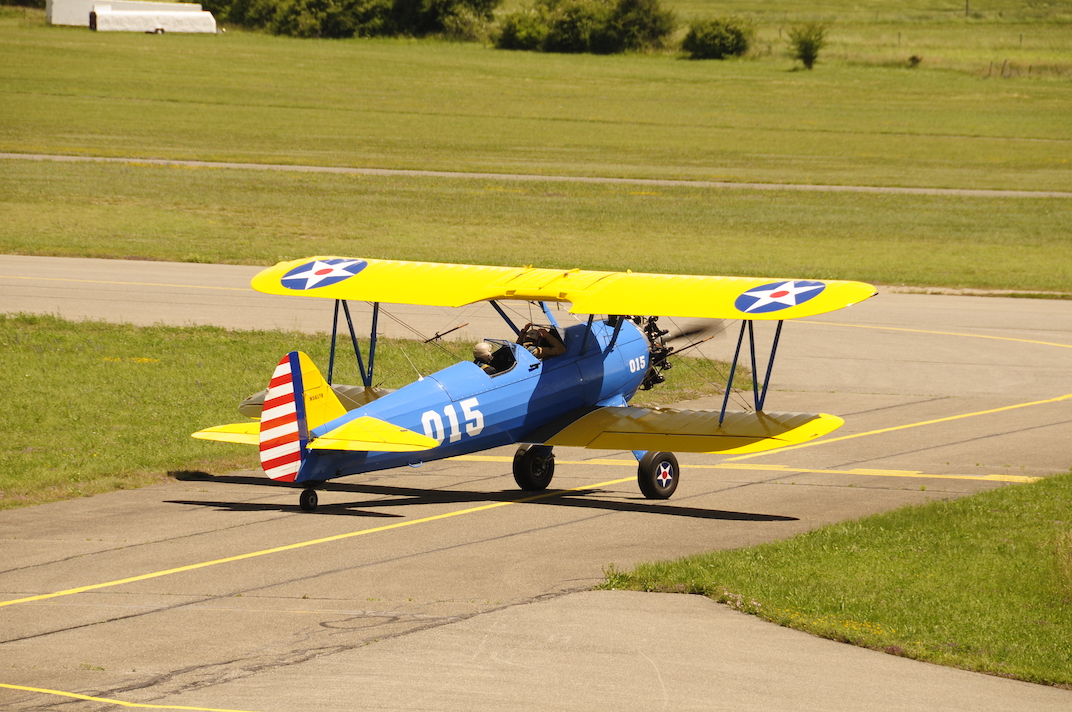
(482,352)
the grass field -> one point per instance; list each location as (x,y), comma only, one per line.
(983,583)
(432,105)
(260,217)
(435,105)
(105,407)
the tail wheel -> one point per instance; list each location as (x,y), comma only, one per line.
(658,474)
(308,500)
(534,466)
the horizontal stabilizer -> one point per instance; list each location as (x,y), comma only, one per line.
(668,429)
(351,397)
(243,433)
(368,434)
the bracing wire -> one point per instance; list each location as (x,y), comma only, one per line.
(737,394)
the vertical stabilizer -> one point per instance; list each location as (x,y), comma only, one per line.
(297,401)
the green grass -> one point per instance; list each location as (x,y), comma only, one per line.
(94,407)
(237,216)
(103,406)
(982,583)
(861,118)
(435,105)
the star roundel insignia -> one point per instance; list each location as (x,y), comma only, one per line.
(777,296)
(322,273)
(664,474)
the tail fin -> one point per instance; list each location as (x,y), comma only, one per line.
(297,401)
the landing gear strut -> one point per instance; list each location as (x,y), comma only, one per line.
(534,466)
(308,500)
(658,474)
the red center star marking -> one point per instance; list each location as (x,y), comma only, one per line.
(784,293)
(318,271)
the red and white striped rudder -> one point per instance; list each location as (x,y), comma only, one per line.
(282,420)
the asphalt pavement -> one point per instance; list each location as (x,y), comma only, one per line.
(443,587)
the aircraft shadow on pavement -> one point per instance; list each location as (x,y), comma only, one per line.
(409,496)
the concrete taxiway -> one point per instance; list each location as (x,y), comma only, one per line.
(444,587)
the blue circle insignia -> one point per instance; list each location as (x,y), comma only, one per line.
(322,273)
(777,296)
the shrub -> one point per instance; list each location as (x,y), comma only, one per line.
(523,29)
(805,41)
(465,25)
(598,26)
(573,24)
(329,18)
(349,18)
(716,39)
(640,24)
(422,17)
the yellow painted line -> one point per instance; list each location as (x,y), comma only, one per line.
(873,473)
(904,427)
(126,284)
(494,505)
(105,700)
(303,544)
(939,333)
(788,469)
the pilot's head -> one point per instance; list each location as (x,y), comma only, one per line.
(482,352)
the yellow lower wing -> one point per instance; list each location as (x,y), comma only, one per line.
(668,429)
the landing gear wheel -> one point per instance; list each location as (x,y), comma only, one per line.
(308,500)
(534,466)
(658,474)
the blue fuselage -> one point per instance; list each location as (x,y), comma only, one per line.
(467,410)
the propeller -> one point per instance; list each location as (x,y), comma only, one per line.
(694,333)
(663,343)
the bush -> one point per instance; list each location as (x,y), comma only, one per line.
(598,26)
(424,17)
(573,24)
(523,29)
(640,24)
(464,25)
(805,41)
(362,18)
(716,39)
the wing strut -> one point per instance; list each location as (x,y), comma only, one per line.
(587,333)
(334,333)
(759,397)
(617,330)
(372,343)
(507,319)
(353,338)
(770,366)
(366,375)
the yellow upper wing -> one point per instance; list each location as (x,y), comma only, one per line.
(589,292)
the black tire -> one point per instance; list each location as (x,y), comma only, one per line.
(534,466)
(308,500)
(658,474)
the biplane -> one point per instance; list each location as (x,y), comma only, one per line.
(550,386)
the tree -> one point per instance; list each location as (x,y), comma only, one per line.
(805,41)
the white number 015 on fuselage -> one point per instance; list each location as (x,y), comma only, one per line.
(551,386)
